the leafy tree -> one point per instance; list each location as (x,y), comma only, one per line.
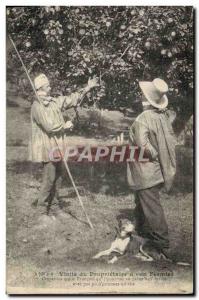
(121,45)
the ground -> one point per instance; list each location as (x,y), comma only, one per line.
(63,240)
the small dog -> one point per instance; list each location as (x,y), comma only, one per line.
(120,245)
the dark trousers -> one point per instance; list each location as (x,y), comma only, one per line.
(151,222)
(51,173)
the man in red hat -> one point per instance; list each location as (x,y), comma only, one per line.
(153,132)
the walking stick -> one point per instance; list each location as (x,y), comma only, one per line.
(65,162)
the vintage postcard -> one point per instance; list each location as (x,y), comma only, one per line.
(100,114)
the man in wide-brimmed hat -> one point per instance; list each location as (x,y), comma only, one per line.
(49,131)
(152,131)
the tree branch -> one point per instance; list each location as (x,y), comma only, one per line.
(125,51)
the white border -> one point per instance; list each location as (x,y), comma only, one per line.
(101,2)
(4,3)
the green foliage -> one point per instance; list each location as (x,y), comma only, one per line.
(121,45)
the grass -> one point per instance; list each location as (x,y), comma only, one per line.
(63,240)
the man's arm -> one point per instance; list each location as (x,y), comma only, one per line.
(40,118)
(139,134)
(75,99)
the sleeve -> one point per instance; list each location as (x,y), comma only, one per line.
(139,134)
(65,102)
(42,121)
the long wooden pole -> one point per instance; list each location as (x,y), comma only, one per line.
(76,190)
(65,162)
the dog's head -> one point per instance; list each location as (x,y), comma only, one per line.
(126,227)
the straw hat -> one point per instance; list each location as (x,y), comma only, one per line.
(155,92)
(40,81)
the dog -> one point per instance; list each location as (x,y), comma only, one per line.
(125,238)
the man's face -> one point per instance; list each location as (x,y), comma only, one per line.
(46,88)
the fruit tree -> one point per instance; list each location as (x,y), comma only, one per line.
(121,45)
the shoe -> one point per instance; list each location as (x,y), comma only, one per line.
(36,203)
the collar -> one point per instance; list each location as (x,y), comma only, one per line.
(158,110)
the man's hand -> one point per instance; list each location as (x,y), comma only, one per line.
(68,125)
(93,82)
